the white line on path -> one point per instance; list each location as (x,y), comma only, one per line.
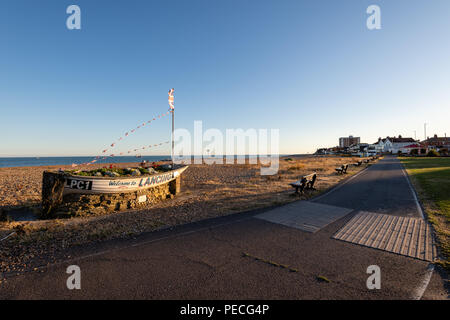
(418,293)
(9,235)
(419,208)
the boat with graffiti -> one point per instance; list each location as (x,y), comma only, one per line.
(85,189)
(126,180)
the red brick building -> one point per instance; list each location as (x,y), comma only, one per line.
(437,142)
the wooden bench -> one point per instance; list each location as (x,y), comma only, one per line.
(342,169)
(305,182)
(366,161)
(357,164)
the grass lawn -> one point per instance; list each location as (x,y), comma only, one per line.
(431,178)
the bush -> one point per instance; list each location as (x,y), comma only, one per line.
(443,151)
(432,153)
(414,152)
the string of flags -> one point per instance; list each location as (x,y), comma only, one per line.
(146,147)
(112,145)
(128,133)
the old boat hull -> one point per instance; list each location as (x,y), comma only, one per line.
(98,185)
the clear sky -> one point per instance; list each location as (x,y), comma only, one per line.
(310,68)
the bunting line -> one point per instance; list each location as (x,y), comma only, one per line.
(112,145)
(98,158)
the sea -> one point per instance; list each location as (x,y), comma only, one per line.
(65,161)
(60,161)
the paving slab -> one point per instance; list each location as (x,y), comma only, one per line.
(305,215)
(406,236)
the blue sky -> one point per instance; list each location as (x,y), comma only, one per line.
(309,68)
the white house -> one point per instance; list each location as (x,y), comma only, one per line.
(400,142)
(392,144)
(382,145)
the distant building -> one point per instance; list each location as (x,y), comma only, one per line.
(360,150)
(383,145)
(392,144)
(437,143)
(348,141)
(415,146)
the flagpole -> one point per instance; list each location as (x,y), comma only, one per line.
(172,109)
(173,126)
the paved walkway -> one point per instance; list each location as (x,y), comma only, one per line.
(241,256)
(383,188)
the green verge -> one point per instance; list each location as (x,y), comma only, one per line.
(431,179)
